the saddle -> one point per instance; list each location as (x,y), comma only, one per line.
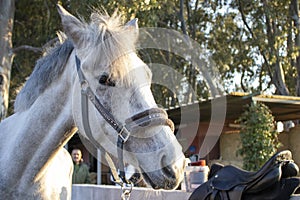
(276,179)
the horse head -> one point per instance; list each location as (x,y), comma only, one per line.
(119,82)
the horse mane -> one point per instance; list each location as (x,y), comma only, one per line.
(47,69)
(113,40)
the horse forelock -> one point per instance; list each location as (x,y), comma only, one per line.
(47,69)
(114,42)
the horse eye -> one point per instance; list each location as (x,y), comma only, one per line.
(105,80)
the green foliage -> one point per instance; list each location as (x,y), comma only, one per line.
(258,136)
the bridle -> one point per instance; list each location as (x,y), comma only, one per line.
(150,117)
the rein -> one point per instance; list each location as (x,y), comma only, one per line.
(150,117)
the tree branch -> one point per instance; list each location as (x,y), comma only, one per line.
(34,49)
(27,48)
(254,37)
(193,20)
(181,17)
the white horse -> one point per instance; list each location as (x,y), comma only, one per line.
(98,57)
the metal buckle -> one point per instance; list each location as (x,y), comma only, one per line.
(124,130)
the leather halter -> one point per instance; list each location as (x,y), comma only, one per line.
(153,116)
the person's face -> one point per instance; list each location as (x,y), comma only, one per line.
(76,155)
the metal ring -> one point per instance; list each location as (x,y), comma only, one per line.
(84,85)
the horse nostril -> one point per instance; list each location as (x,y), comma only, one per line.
(166,168)
(169,172)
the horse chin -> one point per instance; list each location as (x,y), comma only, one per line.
(159,180)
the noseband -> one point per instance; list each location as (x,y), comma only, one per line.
(142,120)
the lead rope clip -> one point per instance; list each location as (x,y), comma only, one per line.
(126,191)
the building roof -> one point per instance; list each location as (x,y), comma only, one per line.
(283,108)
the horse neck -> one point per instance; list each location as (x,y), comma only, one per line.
(41,130)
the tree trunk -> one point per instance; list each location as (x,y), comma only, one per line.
(294,9)
(7,10)
(278,78)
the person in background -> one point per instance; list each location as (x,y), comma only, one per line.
(81,170)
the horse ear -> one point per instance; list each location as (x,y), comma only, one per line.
(72,26)
(132,24)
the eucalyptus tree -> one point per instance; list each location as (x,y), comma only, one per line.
(259,40)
